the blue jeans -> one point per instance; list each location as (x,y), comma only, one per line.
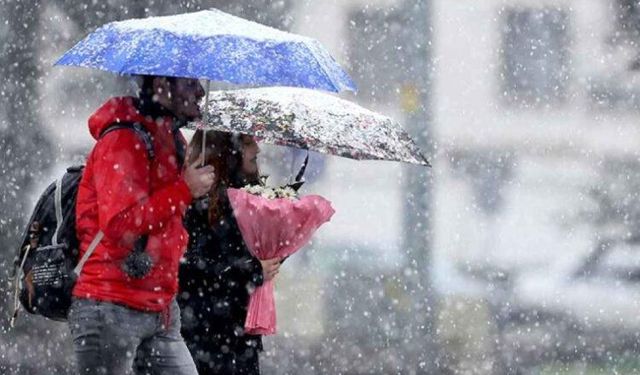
(110,339)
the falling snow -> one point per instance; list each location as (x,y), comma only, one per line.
(518,252)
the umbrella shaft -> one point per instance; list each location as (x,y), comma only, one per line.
(205,118)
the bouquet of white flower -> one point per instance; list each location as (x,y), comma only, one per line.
(274,222)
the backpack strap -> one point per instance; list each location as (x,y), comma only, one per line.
(142,132)
(87,254)
(16,294)
(58,207)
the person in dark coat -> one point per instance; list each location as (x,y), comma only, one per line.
(219,273)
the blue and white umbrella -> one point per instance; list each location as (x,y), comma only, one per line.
(210,45)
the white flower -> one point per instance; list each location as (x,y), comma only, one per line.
(288,192)
(271,192)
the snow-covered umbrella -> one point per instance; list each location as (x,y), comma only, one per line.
(311,120)
(211,45)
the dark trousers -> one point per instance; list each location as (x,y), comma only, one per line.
(240,358)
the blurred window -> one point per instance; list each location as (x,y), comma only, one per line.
(627,14)
(617,91)
(613,93)
(535,57)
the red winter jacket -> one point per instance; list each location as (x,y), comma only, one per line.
(125,195)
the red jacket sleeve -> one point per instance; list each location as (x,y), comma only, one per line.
(127,210)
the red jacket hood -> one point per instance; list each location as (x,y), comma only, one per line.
(119,109)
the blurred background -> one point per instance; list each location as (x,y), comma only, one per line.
(517,253)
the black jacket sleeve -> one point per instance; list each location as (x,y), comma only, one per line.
(219,252)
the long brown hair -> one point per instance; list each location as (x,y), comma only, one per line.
(223,151)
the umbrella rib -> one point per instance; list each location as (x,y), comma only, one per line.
(330,78)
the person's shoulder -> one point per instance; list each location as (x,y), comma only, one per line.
(123,140)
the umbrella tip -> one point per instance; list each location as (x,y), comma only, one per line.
(426,162)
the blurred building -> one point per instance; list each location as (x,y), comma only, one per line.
(535,107)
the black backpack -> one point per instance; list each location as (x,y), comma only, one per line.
(47,257)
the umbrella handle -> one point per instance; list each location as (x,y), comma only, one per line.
(205,117)
(297,183)
(204,142)
(302,169)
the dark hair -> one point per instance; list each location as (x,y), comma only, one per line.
(146,86)
(223,151)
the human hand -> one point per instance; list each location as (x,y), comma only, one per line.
(199,179)
(270,268)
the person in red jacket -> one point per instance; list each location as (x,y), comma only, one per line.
(119,320)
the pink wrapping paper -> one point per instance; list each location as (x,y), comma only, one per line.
(274,228)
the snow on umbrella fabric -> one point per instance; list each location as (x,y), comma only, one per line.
(310,120)
(211,45)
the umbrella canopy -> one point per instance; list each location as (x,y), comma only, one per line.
(310,120)
(211,45)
